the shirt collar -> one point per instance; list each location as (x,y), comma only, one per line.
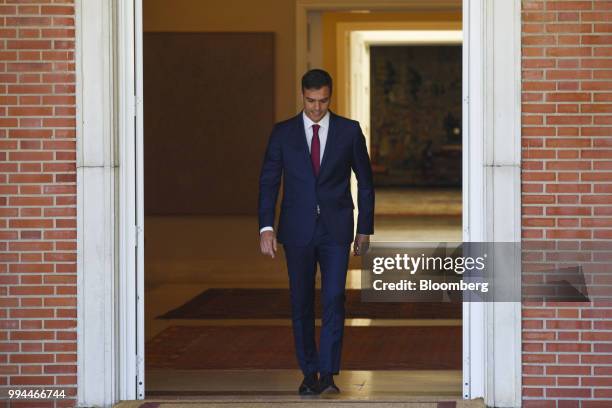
(324,122)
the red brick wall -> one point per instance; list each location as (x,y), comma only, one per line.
(38,197)
(567,191)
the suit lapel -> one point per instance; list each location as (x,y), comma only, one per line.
(330,144)
(302,143)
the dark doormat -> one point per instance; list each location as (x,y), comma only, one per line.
(271,347)
(219,303)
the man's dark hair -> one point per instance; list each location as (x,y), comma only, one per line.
(316,79)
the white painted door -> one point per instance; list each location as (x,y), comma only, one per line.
(139,167)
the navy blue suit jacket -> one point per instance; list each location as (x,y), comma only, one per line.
(287,154)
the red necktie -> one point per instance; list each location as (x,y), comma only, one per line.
(315,150)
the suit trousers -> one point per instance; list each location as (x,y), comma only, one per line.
(302,261)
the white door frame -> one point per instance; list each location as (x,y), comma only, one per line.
(110,201)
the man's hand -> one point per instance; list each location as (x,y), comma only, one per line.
(361,244)
(267,243)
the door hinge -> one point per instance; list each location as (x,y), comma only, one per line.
(137,232)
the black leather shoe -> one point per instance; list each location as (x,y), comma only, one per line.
(327,385)
(309,385)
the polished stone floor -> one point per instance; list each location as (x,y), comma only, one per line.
(354,384)
(185,255)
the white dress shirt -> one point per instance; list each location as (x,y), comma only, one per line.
(323,130)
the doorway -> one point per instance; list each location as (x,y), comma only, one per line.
(477,226)
(207,286)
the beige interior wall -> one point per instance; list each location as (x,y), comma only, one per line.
(276,16)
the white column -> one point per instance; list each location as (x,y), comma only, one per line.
(492,160)
(96,175)
(108,339)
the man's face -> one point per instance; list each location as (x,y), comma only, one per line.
(316,102)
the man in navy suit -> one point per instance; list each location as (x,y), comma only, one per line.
(315,152)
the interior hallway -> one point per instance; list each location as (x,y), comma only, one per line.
(189,254)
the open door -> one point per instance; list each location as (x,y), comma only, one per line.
(130,217)
(139,187)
